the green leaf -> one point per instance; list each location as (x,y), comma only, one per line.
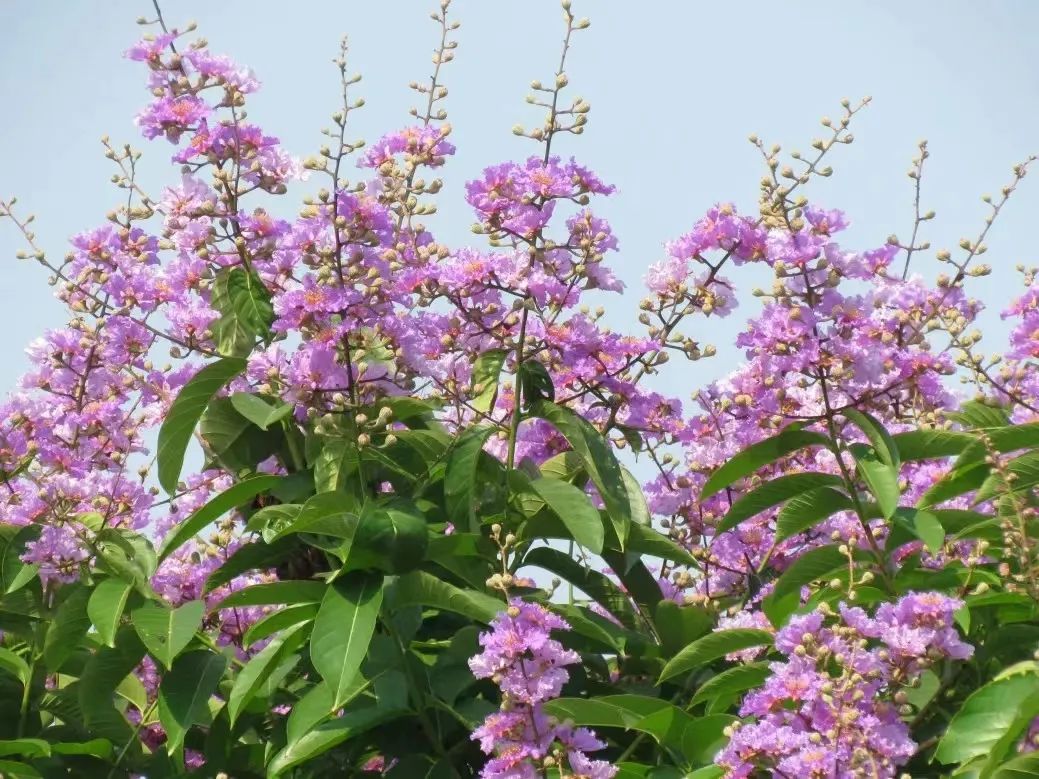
(419,588)
(102,676)
(391,536)
(594,584)
(599,460)
(1002,439)
(282,619)
(229,499)
(679,626)
(1026,472)
(761,454)
(486,371)
(591,712)
(128,556)
(535,383)
(185,413)
(250,679)
(246,313)
(343,629)
(992,715)
(803,512)
(807,568)
(67,628)
(184,694)
(931,444)
(731,681)
(977,414)
(232,441)
(105,607)
(566,466)
(327,514)
(879,438)
(955,483)
(575,509)
(165,631)
(1021,767)
(26,747)
(312,709)
(773,492)
(638,508)
(670,726)
(320,739)
(14,665)
(96,747)
(259,411)
(256,556)
(929,529)
(880,477)
(10,769)
(337,466)
(275,593)
(711,647)
(460,480)
(14,573)
(644,540)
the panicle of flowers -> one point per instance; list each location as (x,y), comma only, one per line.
(529,666)
(833,709)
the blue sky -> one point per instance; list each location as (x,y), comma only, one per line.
(675,89)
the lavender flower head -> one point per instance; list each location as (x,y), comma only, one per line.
(529,666)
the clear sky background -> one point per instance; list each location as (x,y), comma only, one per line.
(675,88)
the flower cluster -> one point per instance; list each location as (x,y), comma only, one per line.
(529,666)
(833,709)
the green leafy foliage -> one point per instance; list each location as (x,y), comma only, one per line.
(187,409)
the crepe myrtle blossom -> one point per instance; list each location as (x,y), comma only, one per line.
(362,302)
(529,666)
(831,709)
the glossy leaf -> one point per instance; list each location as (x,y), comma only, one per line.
(419,588)
(255,556)
(460,482)
(69,625)
(929,529)
(105,607)
(803,512)
(251,678)
(343,629)
(931,444)
(575,509)
(599,461)
(486,371)
(594,584)
(880,477)
(246,313)
(324,737)
(877,435)
(184,414)
(732,681)
(258,411)
(758,455)
(808,567)
(1021,767)
(216,507)
(166,631)
(185,692)
(274,594)
(993,714)
(14,664)
(392,536)
(282,619)
(773,492)
(711,647)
